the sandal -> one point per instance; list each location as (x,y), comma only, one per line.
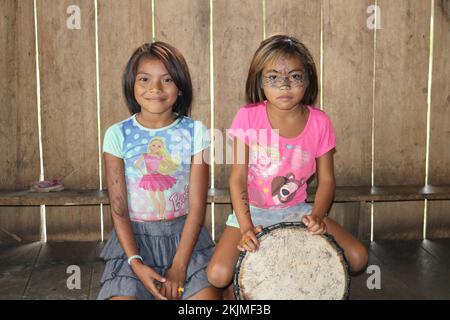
(47,186)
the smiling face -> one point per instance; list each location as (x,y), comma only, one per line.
(284,82)
(154,88)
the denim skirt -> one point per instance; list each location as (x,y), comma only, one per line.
(274,215)
(157,244)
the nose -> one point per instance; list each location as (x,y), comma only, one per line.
(285,83)
(285,80)
(155,87)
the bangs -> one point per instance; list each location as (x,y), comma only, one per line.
(280,54)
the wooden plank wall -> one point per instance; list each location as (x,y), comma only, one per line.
(401,81)
(69,113)
(374,87)
(348,59)
(438,217)
(19,141)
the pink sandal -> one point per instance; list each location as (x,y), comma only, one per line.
(47,186)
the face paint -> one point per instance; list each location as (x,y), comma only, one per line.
(294,80)
(277,78)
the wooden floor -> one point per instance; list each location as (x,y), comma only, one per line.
(409,270)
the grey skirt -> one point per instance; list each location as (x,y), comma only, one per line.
(157,244)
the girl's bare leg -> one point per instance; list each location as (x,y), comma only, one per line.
(122,298)
(221,267)
(355,252)
(209,293)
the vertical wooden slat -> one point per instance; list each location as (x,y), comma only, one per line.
(73,223)
(439,159)
(208,219)
(69,113)
(347,91)
(107,222)
(439,156)
(364,224)
(118,37)
(400,220)
(348,82)
(438,222)
(22,222)
(19,139)
(221,212)
(402,57)
(237,32)
(401,92)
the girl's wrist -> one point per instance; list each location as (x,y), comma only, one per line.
(246,227)
(180,262)
(135,261)
(318,215)
(245,221)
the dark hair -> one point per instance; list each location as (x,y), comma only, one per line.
(269,51)
(175,64)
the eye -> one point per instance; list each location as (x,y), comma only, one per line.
(297,77)
(143,79)
(168,80)
(272,77)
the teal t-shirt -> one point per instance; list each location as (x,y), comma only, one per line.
(157,164)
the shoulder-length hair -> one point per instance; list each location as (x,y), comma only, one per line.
(268,52)
(175,64)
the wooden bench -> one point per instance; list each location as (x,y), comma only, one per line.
(355,218)
(222,196)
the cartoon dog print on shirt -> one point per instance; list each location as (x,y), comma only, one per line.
(284,188)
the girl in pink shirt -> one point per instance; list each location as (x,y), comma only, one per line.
(280,140)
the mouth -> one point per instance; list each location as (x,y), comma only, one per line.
(155,99)
(284,98)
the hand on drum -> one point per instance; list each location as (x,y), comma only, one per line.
(249,242)
(315,224)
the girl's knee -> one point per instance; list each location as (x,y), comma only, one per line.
(218,275)
(358,258)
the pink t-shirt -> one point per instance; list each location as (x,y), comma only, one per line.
(279,167)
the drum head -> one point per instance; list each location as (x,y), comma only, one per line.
(293,264)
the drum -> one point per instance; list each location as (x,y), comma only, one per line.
(292,264)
